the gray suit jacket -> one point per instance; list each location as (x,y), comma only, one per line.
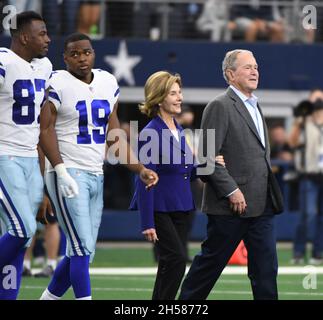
(247,160)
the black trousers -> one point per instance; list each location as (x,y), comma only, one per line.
(172,231)
(223,235)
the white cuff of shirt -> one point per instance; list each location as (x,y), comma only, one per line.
(228,195)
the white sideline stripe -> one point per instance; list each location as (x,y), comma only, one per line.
(244,281)
(237,292)
(227,270)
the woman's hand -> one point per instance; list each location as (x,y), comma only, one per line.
(220,160)
(150,235)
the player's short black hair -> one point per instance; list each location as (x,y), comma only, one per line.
(75,37)
(23,19)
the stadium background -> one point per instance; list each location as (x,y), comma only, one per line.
(287,72)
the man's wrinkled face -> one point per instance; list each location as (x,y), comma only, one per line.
(245,76)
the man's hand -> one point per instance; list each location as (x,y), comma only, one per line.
(237,202)
(150,235)
(67,184)
(44,207)
(149,177)
(1,194)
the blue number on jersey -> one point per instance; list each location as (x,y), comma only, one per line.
(24,95)
(98,121)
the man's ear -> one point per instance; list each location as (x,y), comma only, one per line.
(230,74)
(23,37)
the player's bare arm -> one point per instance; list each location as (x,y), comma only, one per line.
(47,139)
(48,143)
(45,205)
(149,177)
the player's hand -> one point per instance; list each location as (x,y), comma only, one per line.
(220,160)
(150,235)
(237,202)
(1,194)
(44,207)
(149,177)
(66,183)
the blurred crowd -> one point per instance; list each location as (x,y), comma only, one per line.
(297,155)
(216,20)
(62,17)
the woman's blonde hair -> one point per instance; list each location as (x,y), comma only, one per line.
(157,88)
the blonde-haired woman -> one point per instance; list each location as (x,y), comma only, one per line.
(165,209)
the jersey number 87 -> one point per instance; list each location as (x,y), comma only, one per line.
(24,96)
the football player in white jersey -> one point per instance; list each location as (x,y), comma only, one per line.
(24,73)
(81,108)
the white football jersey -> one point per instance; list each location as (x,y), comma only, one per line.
(22,92)
(83,112)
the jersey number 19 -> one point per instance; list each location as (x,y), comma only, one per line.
(98,121)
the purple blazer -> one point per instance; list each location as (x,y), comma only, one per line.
(173,190)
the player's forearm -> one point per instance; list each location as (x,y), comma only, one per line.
(135,167)
(49,145)
(41,158)
(132,162)
(124,153)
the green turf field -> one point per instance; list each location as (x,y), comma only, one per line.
(130,286)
